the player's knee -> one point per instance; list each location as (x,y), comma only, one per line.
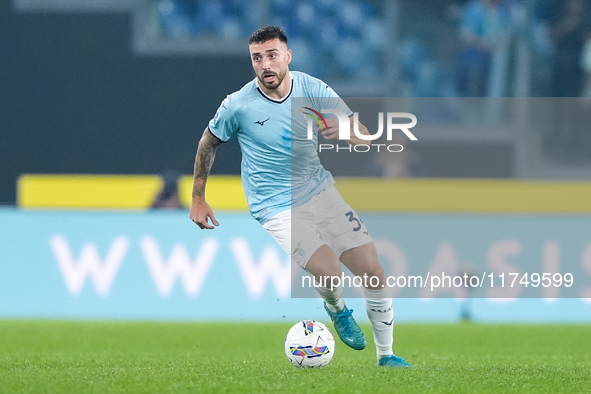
(376,270)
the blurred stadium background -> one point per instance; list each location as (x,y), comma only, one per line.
(103,103)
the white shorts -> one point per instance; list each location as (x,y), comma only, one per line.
(325,219)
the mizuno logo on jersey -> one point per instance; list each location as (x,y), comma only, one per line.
(262,122)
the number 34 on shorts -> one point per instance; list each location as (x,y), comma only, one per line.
(358,224)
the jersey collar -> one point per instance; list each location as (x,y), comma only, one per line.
(278,101)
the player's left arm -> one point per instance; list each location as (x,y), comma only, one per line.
(332,132)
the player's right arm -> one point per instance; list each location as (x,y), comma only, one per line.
(201,212)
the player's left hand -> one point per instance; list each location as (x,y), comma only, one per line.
(333,129)
(201,213)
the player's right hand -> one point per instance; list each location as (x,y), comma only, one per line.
(201,213)
(333,129)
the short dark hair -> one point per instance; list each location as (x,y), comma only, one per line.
(267,33)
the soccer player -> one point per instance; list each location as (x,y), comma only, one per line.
(326,231)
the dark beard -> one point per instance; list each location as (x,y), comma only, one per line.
(275,85)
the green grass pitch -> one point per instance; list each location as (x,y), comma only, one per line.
(111,357)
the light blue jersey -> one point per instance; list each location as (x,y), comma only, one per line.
(279,169)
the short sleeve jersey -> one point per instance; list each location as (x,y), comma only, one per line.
(263,126)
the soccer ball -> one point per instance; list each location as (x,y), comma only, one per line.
(309,344)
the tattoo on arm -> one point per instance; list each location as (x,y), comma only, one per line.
(203,162)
